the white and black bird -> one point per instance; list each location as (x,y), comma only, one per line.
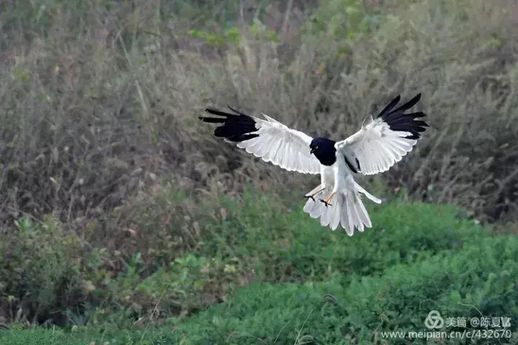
(381,142)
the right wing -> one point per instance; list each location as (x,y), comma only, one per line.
(385,140)
(268,139)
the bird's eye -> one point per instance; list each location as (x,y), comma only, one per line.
(316,147)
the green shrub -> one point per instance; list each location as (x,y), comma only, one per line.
(477,280)
(343,21)
(302,283)
(229,245)
(290,246)
(188,284)
(40,272)
(82,336)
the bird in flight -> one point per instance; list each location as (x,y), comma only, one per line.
(381,142)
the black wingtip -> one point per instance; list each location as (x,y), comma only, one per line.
(410,103)
(398,120)
(218,112)
(390,106)
(235,127)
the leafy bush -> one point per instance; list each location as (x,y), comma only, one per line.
(291,247)
(79,284)
(236,247)
(84,281)
(40,272)
(82,336)
(478,280)
(460,270)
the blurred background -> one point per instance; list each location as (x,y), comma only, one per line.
(122,218)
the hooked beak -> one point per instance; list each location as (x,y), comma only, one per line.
(311,151)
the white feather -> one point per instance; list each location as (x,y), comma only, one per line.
(282,146)
(376,147)
(346,209)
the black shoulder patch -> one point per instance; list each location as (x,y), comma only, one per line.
(235,127)
(358,164)
(399,121)
(350,165)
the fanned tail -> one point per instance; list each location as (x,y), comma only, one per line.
(347,210)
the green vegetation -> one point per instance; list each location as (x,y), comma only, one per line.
(310,286)
(123,220)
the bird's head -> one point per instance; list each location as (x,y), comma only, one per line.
(324,150)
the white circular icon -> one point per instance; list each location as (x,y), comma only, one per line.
(434,320)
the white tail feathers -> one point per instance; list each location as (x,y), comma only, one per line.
(346,209)
(367,194)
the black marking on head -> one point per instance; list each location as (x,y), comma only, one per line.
(324,149)
(235,127)
(399,121)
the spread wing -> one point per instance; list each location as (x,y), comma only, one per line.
(266,138)
(385,140)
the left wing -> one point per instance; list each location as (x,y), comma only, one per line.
(266,138)
(385,140)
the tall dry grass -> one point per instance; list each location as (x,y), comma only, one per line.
(102,102)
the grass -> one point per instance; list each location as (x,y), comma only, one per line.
(101,98)
(123,220)
(314,286)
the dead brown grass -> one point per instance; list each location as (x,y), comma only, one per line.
(98,106)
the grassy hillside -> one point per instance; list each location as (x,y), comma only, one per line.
(123,218)
(312,286)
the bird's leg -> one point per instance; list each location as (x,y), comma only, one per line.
(327,200)
(314,192)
